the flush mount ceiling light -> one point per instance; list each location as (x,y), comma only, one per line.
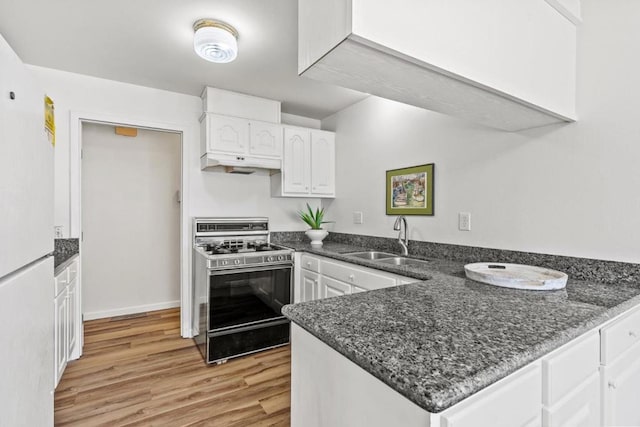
(215,41)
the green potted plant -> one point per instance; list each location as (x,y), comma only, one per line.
(314,219)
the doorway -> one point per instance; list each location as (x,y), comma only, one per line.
(130,220)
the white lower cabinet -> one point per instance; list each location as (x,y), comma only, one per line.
(333,288)
(511,402)
(319,277)
(60,334)
(570,384)
(621,390)
(620,370)
(579,408)
(309,288)
(68,326)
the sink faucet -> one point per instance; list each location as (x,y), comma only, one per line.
(400,221)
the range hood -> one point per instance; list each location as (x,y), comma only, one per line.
(232,163)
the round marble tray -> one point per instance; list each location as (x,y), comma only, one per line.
(516,276)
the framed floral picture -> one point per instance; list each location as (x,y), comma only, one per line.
(410,190)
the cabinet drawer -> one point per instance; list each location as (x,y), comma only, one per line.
(310,263)
(61,281)
(566,368)
(356,276)
(619,336)
(73,271)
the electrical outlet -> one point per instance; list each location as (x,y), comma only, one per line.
(464,221)
(357,218)
(57,231)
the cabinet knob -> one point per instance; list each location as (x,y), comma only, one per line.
(612,384)
(632,334)
(351,277)
(309,264)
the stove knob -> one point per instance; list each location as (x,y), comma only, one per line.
(236,261)
(270,259)
(225,262)
(280,257)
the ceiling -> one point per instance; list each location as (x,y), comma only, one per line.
(150,43)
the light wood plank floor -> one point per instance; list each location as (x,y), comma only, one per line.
(138,371)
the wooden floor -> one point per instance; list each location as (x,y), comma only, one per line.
(137,371)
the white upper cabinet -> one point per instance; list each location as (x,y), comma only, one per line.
(266,139)
(296,161)
(508,65)
(234,141)
(323,154)
(308,164)
(228,134)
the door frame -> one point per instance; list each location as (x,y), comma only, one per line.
(188,137)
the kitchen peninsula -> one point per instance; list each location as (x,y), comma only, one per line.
(449,351)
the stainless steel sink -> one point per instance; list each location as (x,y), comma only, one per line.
(371,255)
(405,261)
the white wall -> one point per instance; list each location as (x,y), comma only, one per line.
(567,189)
(130,221)
(295,120)
(211,193)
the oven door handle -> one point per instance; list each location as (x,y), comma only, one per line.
(239,270)
(251,327)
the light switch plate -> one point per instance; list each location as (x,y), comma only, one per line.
(464,221)
(357,218)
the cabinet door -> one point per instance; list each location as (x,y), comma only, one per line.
(227,134)
(60,334)
(620,389)
(296,161)
(323,162)
(72,318)
(513,401)
(363,277)
(309,284)
(265,139)
(580,407)
(355,289)
(333,288)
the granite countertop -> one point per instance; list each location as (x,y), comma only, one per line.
(64,252)
(440,340)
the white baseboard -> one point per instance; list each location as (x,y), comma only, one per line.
(130,310)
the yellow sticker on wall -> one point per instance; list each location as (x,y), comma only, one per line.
(49,120)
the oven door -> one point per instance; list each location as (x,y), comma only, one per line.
(248,296)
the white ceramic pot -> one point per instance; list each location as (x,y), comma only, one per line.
(316,237)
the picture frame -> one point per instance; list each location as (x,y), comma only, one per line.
(410,190)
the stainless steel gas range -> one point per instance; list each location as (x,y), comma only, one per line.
(241,282)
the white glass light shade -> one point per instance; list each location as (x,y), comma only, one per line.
(215,43)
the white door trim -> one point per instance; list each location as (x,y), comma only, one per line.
(189,137)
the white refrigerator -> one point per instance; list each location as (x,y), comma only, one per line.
(26,245)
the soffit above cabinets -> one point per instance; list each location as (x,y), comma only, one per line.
(506,65)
